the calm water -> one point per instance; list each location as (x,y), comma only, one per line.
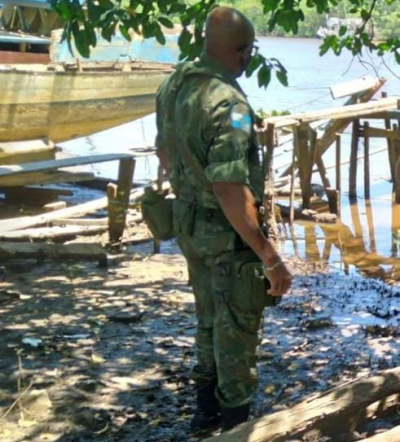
(367,237)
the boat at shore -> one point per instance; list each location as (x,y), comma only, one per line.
(46,95)
(62,101)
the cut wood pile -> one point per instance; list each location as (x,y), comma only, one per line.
(25,170)
(336,415)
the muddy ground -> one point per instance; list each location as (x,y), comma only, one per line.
(103,354)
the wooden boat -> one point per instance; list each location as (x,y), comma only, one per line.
(48,93)
(65,101)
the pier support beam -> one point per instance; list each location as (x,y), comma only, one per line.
(118,199)
(269,193)
(367,193)
(305,145)
(353,161)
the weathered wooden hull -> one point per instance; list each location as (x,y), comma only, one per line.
(37,103)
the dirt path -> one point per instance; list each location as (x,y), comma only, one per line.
(108,350)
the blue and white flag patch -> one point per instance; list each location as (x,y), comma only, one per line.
(241,121)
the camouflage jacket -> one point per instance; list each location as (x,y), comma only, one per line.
(205,126)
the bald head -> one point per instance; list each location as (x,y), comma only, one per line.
(229,38)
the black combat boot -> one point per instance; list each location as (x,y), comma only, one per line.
(234,416)
(208,411)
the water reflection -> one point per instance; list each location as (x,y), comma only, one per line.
(353,245)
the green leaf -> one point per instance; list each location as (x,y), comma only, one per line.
(264,76)
(125,32)
(80,40)
(166,22)
(90,34)
(159,36)
(342,30)
(254,64)
(282,77)
(184,40)
(270,5)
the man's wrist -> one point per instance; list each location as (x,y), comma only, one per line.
(269,268)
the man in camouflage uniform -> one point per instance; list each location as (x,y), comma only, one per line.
(207,143)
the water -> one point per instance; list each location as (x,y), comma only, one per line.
(367,238)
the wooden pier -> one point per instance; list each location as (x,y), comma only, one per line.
(310,142)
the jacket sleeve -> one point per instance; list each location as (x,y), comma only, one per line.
(229,130)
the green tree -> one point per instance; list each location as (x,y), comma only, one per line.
(148,17)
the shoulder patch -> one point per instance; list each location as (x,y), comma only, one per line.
(241,121)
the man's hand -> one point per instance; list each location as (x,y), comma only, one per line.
(280,279)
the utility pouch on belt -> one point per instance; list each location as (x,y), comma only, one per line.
(158,213)
(250,284)
(184,213)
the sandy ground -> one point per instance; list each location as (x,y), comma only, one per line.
(103,354)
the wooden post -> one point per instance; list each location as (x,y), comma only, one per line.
(338,171)
(118,199)
(395,229)
(390,145)
(304,162)
(353,161)
(312,250)
(367,193)
(291,200)
(331,194)
(396,182)
(333,200)
(371,228)
(269,192)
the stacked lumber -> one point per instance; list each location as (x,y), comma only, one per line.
(10,250)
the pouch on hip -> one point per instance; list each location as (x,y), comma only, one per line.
(157,210)
(249,284)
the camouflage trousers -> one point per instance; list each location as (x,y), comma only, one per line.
(230,297)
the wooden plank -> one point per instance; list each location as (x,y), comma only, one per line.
(103,221)
(339,126)
(373,132)
(392,435)
(57,232)
(390,115)
(59,252)
(43,166)
(352,87)
(44,155)
(54,177)
(17,147)
(56,205)
(331,407)
(10,225)
(26,151)
(360,110)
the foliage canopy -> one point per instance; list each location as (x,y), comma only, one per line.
(148,18)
